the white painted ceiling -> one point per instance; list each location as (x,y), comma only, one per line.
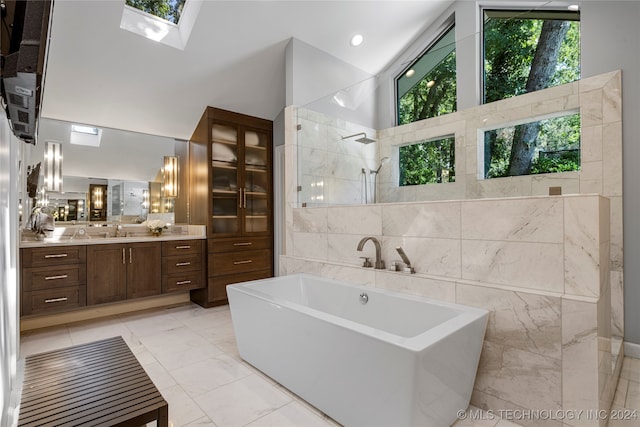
(102,75)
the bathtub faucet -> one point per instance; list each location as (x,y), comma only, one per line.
(379,262)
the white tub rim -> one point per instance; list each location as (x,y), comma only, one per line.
(466,314)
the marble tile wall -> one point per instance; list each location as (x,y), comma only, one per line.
(332,168)
(523,259)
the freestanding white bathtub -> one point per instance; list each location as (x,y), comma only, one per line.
(396,360)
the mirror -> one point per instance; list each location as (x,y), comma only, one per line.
(114,176)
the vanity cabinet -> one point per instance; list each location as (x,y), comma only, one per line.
(230,190)
(182,262)
(53,279)
(116,272)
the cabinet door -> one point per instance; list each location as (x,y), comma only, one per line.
(225,188)
(256,183)
(106,273)
(144,269)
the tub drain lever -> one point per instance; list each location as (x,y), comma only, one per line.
(364,298)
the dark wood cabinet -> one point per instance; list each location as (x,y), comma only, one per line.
(106,273)
(230,189)
(144,269)
(182,265)
(53,279)
(121,271)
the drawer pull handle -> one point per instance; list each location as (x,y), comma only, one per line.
(182,264)
(49,301)
(184,247)
(243,244)
(248,261)
(56,256)
(62,276)
(183,282)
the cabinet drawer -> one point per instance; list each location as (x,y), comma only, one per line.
(53,300)
(178,264)
(181,247)
(182,282)
(53,255)
(53,277)
(238,262)
(238,244)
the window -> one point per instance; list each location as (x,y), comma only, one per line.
(428,87)
(428,162)
(525,51)
(169,10)
(164,21)
(85,135)
(543,146)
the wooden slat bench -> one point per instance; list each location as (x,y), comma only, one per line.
(95,384)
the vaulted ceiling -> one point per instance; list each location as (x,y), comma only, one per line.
(102,75)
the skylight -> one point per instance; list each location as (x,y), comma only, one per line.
(165,21)
(85,135)
(168,10)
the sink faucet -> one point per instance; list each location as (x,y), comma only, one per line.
(379,264)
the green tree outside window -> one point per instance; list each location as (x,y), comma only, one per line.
(169,10)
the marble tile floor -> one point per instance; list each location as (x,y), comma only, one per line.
(190,354)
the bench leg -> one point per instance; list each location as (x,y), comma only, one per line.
(163,416)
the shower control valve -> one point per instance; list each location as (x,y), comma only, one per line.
(367,261)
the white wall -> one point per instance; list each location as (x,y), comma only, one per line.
(9,299)
(314,77)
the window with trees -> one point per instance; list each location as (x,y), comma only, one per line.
(428,162)
(428,87)
(169,10)
(554,147)
(526,51)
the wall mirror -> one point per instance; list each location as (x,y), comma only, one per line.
(107,174)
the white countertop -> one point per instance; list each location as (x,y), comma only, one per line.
(66,236)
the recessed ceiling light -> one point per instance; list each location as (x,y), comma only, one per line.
(574,7)
(410,73)
(357,40)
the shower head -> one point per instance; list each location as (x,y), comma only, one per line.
(363,140)
(383,161)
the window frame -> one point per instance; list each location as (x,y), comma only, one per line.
(480,172)
(514,8)
(437,138)
(443,29)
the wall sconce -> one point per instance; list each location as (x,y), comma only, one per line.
(97,197)
(53,166)
(170,176)
(145,199)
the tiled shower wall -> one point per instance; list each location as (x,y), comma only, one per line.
(538,264)
(332,168)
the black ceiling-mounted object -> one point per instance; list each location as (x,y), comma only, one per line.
(24,62)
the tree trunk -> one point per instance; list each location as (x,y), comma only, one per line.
(542,69)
